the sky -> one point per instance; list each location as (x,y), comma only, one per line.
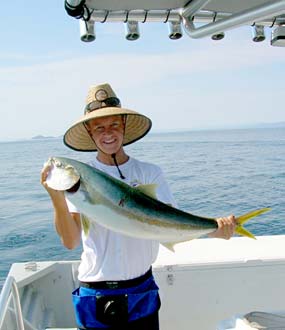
(46,70)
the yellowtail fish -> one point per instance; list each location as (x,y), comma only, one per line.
(133,211)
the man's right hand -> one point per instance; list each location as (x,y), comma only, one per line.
(44,174)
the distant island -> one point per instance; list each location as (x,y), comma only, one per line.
(42,137)
(271,125)
(280,124)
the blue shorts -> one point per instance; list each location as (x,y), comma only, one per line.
(93,307)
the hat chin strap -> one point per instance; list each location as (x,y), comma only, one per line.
(116,163)
(113,155)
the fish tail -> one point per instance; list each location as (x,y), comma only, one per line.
(244,218)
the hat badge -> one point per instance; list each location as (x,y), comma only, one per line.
(101,95)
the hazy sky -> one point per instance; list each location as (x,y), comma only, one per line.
(45,71)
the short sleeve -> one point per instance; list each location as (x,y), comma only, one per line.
(163,191)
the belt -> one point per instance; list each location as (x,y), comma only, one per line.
(124,284)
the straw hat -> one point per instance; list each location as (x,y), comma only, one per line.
(102,102)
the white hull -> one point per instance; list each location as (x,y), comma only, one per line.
(204,282)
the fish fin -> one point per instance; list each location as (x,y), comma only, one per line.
(148,189)
(169,246)
(244,218)
(85,224)
(243,232)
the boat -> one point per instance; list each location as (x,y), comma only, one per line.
(37,295)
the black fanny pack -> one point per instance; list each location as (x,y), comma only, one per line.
(112,309)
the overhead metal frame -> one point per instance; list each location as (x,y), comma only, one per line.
(270,13)
(269,9)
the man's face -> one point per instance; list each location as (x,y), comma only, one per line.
(108,133)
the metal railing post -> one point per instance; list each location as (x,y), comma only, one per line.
(10,289)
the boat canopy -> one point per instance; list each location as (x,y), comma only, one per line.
(197,18)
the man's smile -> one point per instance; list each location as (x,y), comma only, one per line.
(109,141)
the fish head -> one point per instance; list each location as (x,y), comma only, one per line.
(62,176)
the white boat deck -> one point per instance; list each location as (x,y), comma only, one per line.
(202,283)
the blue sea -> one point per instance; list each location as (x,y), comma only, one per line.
(211,173)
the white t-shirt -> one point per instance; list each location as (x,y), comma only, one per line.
(108,255)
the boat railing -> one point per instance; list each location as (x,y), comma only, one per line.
(9,290)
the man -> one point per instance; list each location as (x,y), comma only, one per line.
(117,288)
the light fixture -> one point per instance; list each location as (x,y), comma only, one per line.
(175,31)
(258,33)
(87,31)
(132,30)
(218,36)
(278,36)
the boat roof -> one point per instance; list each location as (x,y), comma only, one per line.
(197,18)
(213,5)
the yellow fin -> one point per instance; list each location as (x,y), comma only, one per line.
(169,246)
(148,189)
(85,224)
(244,218)
(243,232)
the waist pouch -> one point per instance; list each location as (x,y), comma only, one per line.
(102,308)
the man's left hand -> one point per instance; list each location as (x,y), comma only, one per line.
(226,228)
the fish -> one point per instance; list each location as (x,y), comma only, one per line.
(132,211)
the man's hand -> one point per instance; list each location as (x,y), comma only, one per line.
(53,193)
(226,227)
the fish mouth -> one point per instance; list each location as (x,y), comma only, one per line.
(74,188)
(62,176)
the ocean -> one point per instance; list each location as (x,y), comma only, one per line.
(211,173)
